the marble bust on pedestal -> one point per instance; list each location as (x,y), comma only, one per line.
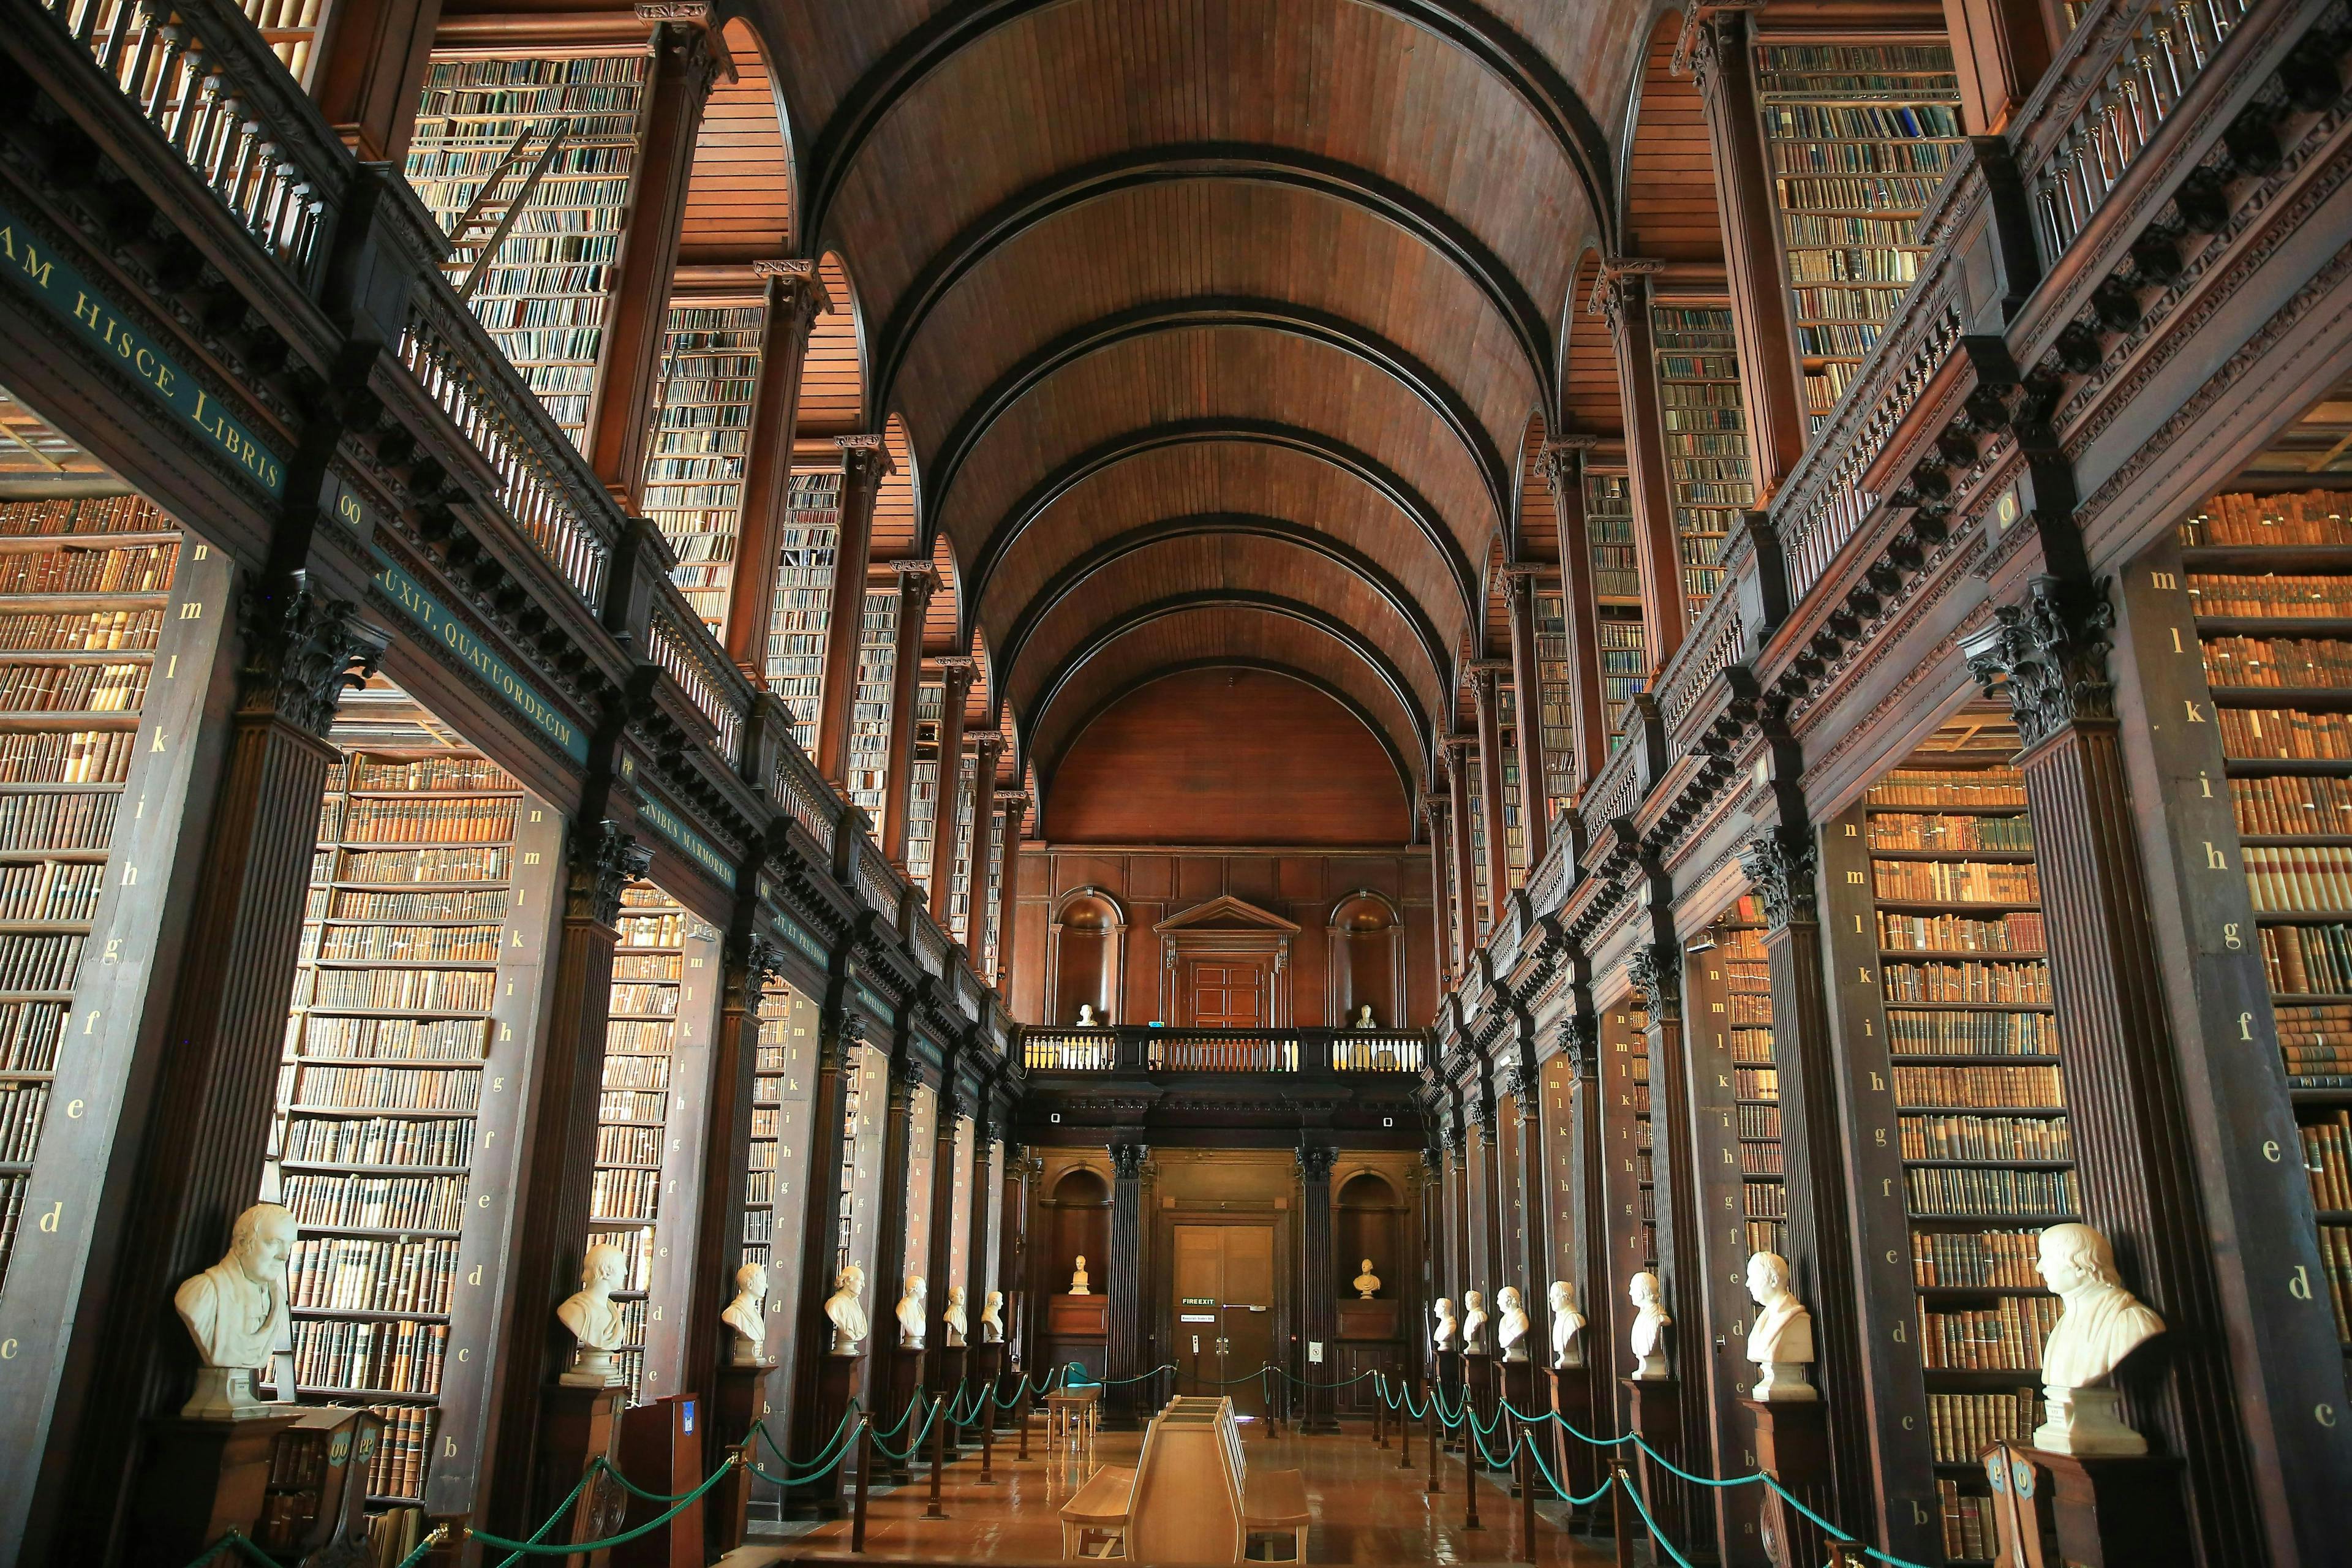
(1448,1331)
(2099,1323)
(594,1319)
(1087,1019)
(1078,1278)
(1364,1017)
(1567,1322)
(1368,1284)
(1781,1342)
(746,1314)
(992,1319)
(235,1311)
(846,1311)
(1511,1334)
(1650,1324)
(910,1314)
(953,1317)
(1474,1323)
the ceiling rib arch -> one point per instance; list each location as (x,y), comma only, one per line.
(1267,164)
(1451,406)
(1361,465)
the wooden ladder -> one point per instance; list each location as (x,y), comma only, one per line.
(483,226)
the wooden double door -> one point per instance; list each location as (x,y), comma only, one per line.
(1227,994)
(1224,1280)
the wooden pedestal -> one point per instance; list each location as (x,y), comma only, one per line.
(197,1479)
(2068,1510)
(1453,1390)
(1576,1462)
(1518,1388)
(839,1379)
(1481,1373)
(984,1366)
(902,1381)
(1793,1446)
(740,1399)
(1655,1415)
(1361,1320)
(576,1425)
(661,1451)
(948,1375)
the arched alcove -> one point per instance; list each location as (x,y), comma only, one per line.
(1368,1223)
(1078,1222)
(1085,949)
(1366,960)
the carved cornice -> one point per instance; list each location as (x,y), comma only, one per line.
(2048,655)
(918,581)
(604,861)
(302,652)
(1782,865)
(799,298)
(957,672)
(756,960)
(864,460)
(1612,290)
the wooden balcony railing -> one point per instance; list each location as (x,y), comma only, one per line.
(1142,1049)
(686,652)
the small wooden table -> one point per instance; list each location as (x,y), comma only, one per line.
(1073,1415)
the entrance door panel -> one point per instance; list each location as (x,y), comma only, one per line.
(1228,995)
(1224,1299)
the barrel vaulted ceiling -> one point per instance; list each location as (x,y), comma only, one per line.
(1217,327)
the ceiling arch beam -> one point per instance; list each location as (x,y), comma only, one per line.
(1225,311)
(1072,575)
(1517,63)
(1048,767)
(1244,161)
(1373,657)
(1361,465)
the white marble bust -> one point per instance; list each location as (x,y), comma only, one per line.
(1567,1322)
(910,1314)
(594,1319)
(846,1311)
(1364,1017)
(1650,1322)
(1078,1278)
(1511,1334)
(1474,1323)
(992,1319)
(1448,1330)
(746,1314)
(1368,1284)
(1087,1019)
(2099,1323)
(235,1311)
(953,1317)
(1781,1342)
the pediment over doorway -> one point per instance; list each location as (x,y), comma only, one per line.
(1223,915)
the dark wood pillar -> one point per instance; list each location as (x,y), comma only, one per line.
(1718,52)
(839,1031)
(1465,879)
(1429,1190)
(988,749)
(752,961)
(1015,809)
(1562,463)
(367,71)
(1484,696)
(1012,1250)
(200,1164)
(1319,1287)
(979,1268)
(1126,1350)
(687,58)
(892,1263)
(916,582)
(1457,1207)
(1588,1202)
(2136,1160)
(863,464)
(1477,1197)
(1444,917)
(794,299)
(1526,686)
(1524,1083)
(939,1256)
(2002,49)
(1621,296)
(946,832)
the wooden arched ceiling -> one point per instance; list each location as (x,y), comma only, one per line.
(943,618)
(738,194)
(1536,520)
(1589,390)
(833,377)
(898,525)
(1669,192)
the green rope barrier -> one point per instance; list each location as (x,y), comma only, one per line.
(553,1518)
(1117,1382)
(826,1457)
(1302,1382)
(1536,1453)
(1404,1400)
(237,1541)
(1644,1509)
(915,1400)
(534,1547)
(916,1445)
(435,1537)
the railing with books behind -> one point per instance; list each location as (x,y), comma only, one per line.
(1377,1050)
(1151,1048)
(684,648)
(210,87)
(1712,645)
(877,883)
(802,793)
(1069,1050)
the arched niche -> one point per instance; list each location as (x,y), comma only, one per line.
(1078,1224)
(1365,960)
(1085,956)
(1368,1220)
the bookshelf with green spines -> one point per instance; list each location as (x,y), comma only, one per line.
(1859,133)
(546,294)
(1515,832)
(1474,791)
(1555,710)
(992,895)
(869,718)
(803,604)
(1617,592)
(960,870)
(923,784)
(1978,1081)
(1756,1075)
(1710,471)
(694,468)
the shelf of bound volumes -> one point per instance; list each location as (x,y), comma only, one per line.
(1626,1130)
(1515,830)
(82,590)
(804,603)
(923,785)
(2270,578)
(1860,134)
(960,867)
(389,1028)
(1617,588)
(866,1083)
(780,1091)
(1475,788)
(1756,1077)
(869,715)
(1708,470)
(702,429)
(993,896)
(1980,1096)
(1554,710)
(546,293)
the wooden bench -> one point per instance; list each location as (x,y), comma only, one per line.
(1274,1502)
(1096,1516)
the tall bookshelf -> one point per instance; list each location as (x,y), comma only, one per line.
(1756,1075)
(1617,591)
(1555,704)
(869,717)
(1981,1097)
(702,429)
(1515,829)
(82,590)
(546,294)
(1859,134)
(803,604)
(1628,1190)
(2269,577)
(865,1098)
(960,869)
(1710,471)
(923,784)
(1475,789)
(993,896)
(376,1134)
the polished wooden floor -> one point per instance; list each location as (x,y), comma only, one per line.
(1366,1510)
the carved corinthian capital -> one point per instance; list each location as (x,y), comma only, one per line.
(1579,1042)
(302,652)
(2048,655)
(604,861)
(1657,975)
(1781,865)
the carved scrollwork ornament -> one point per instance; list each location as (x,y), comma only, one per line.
(2048,655)
(1433,1162)
(604,861)
(302,652)
(1780,865)
(1579,1042)
(1656,975)
(1127,1160)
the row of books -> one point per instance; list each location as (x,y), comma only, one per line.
(1964,882)
(403,1457)
(39,963)
(376,1203)
(73,688)
(51,889)
(21,1107)
(2008,1337)
(2285,734)
(29,1032)
(625,1070)
(358,1273)
(2314,1037)
(63,822)
(2328,1160)
(2300,882)
(81,631)
(2304,662)
(409,945)
(1959,933)
(1904,830)
(625,1193)
(81,515)
(1753,1046)
(1759,1121)
(645,999)
(629,1146)
(663,929)
(1763,1160)
(423,990)
(2284,805)
(2270,596)
(2304,517)
(1959,1137)
(469,904)
(380,1141)
(400,1357)
(1938,1190)
(1917,1033)
(457,819)
(1966,1425)
(66,756)
(391,1089)
(1999,1260)
(2024,982)
(132,569)
(1756,1083)
(401,867)
(1975,1088)
(1969,789)
(626,1106)
(420,775)
(1765,1200)
(1970,1534)
(2299,960)
(2336,1257)
(320,1035)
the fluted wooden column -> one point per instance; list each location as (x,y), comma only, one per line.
(1458,748)
(795,297)
(1621,296)
(1562,463)
(891,1262)
(916,582)
(1527,687)
(940,1254)
(1484,676)
(1319,1286)
(863,465)
(1447,922)
(752,961)
(839,1032)
(1580,1043)
(1127,1315)
(1013,811)
(947,831)
(1524,1084)
(989,748)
